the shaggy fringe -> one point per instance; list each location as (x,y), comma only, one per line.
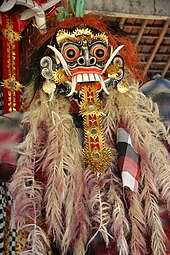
(120,225)
(138,226)
(148,134)
(101,218)
(27,191)
(37,241)
(143,122)
(151,211)
(79,206)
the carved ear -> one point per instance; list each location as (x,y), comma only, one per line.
(46,66)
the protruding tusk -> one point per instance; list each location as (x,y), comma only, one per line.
(111,58)
(62,60)
(73,87)
(104,86)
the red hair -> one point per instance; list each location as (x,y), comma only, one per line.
(128,52)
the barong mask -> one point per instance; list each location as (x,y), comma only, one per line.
(86,62)
(83,56)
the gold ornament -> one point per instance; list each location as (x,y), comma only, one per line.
(112,71)
(96,154)
(64,35)
(60,76)
(49,87)
(122,87)
(12,84)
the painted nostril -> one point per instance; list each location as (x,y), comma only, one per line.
(92,61)
(81,61)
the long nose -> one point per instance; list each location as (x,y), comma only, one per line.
(86,59)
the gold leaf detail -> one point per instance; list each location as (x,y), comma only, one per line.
(122,87)
(59,76)
(112,70)
(96,154)
(49,87)
(12,84)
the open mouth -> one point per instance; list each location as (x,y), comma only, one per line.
(87,77)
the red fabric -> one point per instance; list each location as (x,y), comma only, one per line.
(128,165)
(10,135)
(10,70)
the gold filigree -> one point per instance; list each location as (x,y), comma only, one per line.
(112,71)
(83,31)
(122,87)
(11,101)
(65,35)
(96,154)
(60,76)
(10,34)
(12,84)
(49,87)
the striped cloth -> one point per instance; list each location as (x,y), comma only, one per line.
(128,159)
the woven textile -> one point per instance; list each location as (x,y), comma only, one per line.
(129,160)
(2,215)
(12,229)
(7,225)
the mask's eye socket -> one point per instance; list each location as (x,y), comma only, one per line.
(99,51)
(70,52)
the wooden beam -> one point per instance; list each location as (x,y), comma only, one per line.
(166,54)
(155,63)
(122,22)
(127,15)
(141,32)
(139,9)
(149,45)
(137,26)
(157,71)
(160,39)
(149,36)
(165,70)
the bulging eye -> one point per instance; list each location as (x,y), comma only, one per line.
(99,51)
(119,61)
(70,52)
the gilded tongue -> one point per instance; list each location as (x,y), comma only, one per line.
(96,154)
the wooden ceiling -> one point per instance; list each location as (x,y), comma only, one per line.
(152,39)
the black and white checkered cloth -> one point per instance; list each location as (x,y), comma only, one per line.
(2,215)
(6,201)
